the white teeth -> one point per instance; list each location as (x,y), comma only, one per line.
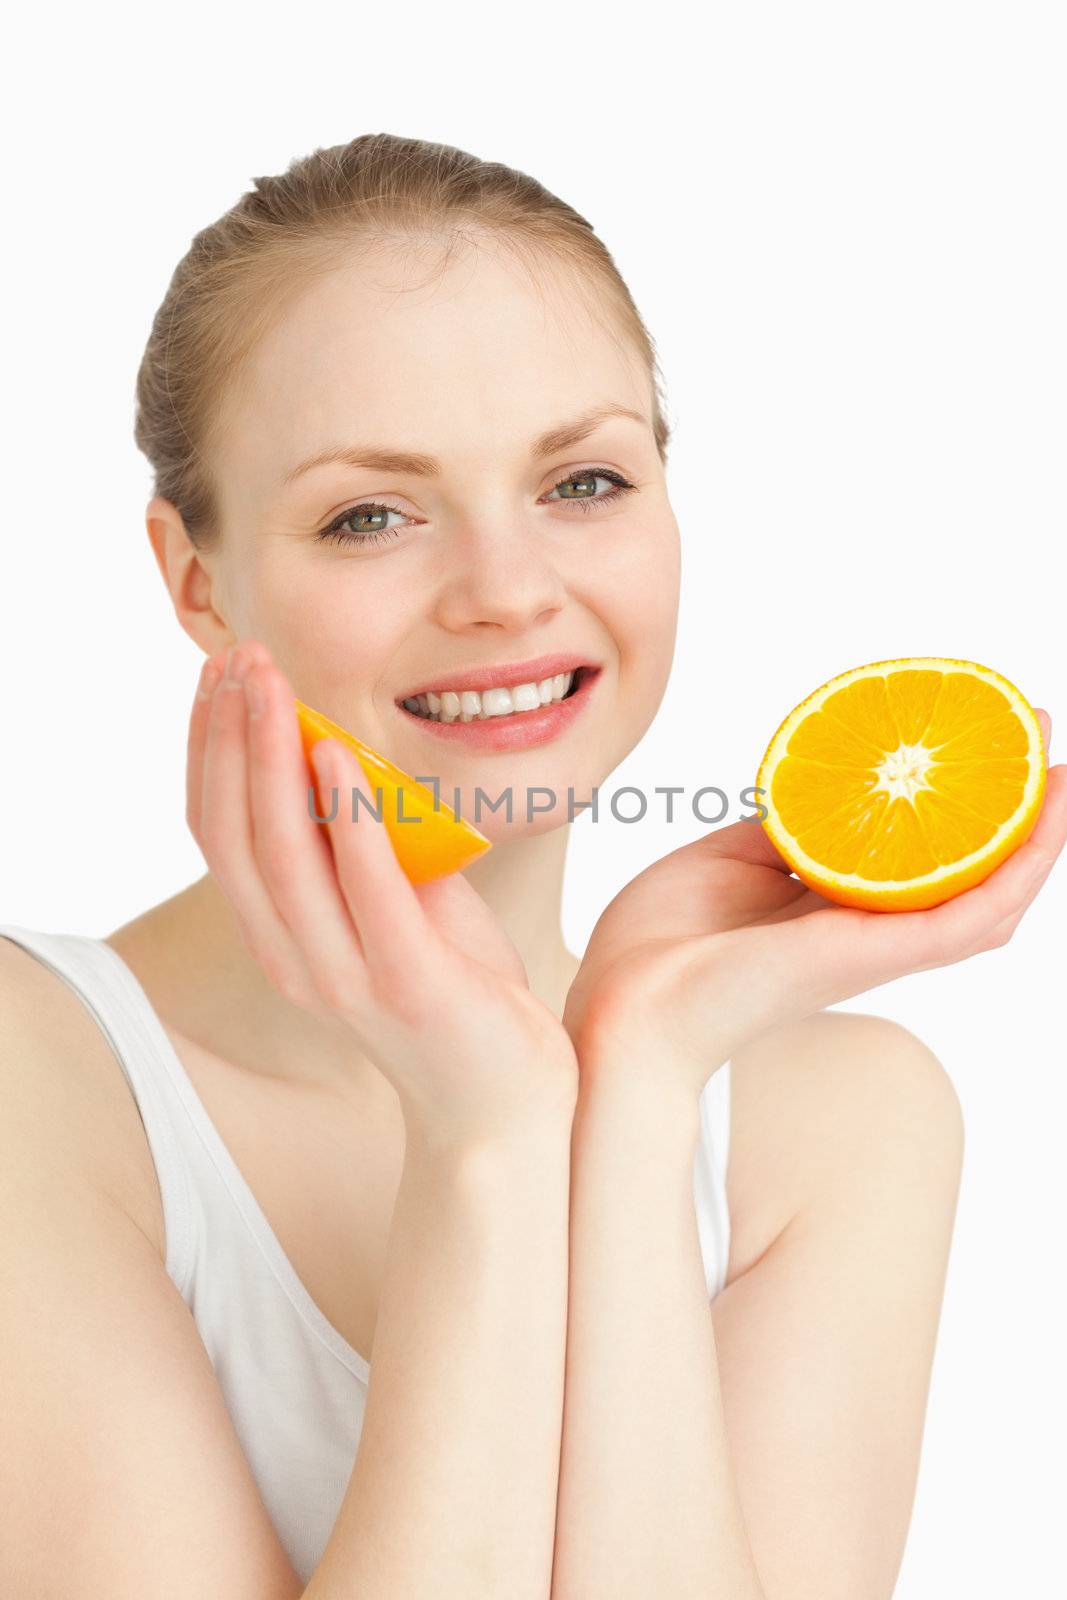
(471,705)
(498,703)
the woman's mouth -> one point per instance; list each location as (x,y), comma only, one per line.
(505,719)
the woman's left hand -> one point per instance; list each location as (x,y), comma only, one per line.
(717,943)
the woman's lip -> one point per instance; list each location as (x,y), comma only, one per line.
(517,731)
(503,676)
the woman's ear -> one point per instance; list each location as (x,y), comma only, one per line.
(187,573)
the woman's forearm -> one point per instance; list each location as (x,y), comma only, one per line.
(647,1499)
(453,1493)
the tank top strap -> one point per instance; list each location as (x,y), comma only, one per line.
(710,1168)
(107,988)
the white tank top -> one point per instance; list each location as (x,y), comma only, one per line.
(294,1388)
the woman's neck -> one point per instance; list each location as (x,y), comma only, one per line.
(521,881)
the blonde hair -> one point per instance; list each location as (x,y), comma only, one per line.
(240,272)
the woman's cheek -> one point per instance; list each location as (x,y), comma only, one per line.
(645,600)
(331,639)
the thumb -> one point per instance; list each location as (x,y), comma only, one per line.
(746,841)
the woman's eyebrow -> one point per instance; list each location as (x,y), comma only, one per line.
(546,444)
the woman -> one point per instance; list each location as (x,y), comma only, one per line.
(371,1115)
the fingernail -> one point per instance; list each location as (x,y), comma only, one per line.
(238,665)
(209,677)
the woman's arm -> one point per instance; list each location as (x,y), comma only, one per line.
(818,1356)
(718,934)
(647,1499)
(454,1489)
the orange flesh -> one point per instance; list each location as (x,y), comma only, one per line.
(839,815)
(900,774)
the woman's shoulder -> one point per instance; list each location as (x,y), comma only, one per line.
(808,1099)
(63,1094)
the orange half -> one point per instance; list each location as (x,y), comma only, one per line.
(430,841)
(902,783)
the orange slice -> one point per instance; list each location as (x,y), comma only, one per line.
(900,784)
(436,843)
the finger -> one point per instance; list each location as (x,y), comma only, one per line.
(742,841)
(381,900)
(293,851)
(1044,722)
(1002,932)
(199,717)
(226,838)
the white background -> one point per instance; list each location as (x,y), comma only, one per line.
(845,228)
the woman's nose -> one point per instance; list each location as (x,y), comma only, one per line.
(501,581)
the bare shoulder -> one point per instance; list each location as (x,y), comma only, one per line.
(63,1093)
(810,1100)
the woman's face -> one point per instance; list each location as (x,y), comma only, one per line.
(485,562)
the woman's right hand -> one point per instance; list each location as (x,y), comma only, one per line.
(434,991)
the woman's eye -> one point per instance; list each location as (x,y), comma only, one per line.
(590,477)
(366,512)
(371,511)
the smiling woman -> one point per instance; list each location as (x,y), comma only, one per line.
(307,1112)
(407,441)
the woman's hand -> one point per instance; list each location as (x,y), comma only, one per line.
(434,991)
(717,943)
